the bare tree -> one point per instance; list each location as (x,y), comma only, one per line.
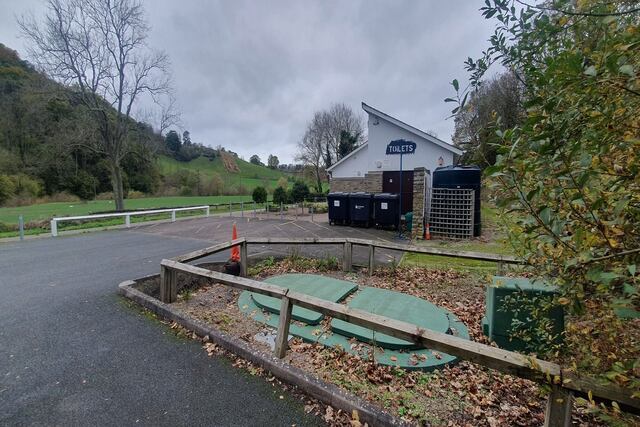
(310,150)
(98,48)
(320,146)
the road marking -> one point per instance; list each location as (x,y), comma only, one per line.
(307,230)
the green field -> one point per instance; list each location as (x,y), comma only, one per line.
(249,177)
(46,211)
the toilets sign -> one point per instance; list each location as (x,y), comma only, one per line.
(401,146)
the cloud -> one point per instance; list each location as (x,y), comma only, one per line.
(249,74)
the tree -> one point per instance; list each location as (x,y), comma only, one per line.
(172,141)
(495,105)
(299,192)
(320,145)
(567,175)
(310,153)
(256,160)
(273,162)
(186,138)
(279,196)
(348,143)
(98,48)
(259,195)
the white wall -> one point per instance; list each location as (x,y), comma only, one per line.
(355,165)
(380,135)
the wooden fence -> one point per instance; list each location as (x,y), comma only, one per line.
(564,383)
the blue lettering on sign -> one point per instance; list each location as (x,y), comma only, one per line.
(401,146)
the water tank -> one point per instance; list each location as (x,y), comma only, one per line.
(463,177)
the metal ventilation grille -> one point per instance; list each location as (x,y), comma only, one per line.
(451,213)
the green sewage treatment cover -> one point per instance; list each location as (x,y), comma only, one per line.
(326,288)
(344,335)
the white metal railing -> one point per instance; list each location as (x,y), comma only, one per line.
(127,216)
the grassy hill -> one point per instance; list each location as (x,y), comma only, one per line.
(248,175)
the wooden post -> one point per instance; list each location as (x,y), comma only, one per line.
(282,338)
(559,406)
(168,285)
(372,259)
(241,209)
(346,256)
(244,259)
(500,271)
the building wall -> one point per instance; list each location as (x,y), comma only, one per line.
(370,182)
(354,166)
(426,155)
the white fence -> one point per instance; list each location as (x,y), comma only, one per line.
(127,216)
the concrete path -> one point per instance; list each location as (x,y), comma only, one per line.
(72,352)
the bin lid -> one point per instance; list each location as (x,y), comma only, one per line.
(361,194)
(338,194)
(385,196)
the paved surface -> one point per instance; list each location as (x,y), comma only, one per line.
(73,352)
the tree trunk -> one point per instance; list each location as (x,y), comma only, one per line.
(318,181)
(116,182)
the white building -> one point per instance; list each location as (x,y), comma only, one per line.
(369,168)
(430,153)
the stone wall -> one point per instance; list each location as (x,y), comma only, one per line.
(371,183)
(417,230)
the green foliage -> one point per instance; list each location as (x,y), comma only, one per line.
(299,192)
(567,176)
(279,196)
(348,143)
(259,195)
(172,141)
(255,160)
(7,188)
(273,161)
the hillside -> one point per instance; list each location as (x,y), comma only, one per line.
(249,175)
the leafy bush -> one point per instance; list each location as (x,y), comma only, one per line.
(279,196)
(282,182)
(259,195)
(134,194)
(26,185)
(83,185)
(7,188)
(299,192)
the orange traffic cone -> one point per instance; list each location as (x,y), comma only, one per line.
(427,233)
(235,251)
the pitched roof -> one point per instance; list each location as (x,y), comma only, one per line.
(411,129)
(330,168)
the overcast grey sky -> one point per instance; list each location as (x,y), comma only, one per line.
(249,74)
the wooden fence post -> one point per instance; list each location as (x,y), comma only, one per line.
(282,338)
(168,285)
(559,404)
(372,259)
(346,256)
(500,271)
(244,259)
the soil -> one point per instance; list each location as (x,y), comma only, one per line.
(463,394)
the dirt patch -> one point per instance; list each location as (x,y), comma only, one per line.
(229,162)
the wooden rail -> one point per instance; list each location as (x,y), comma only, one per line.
(564,383)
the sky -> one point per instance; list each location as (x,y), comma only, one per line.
(248,75)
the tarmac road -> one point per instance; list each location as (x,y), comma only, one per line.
(72,352)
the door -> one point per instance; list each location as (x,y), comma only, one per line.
(391,184)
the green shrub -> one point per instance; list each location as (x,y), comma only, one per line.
(83,185)
(26,185)
(279,196)
(134,194)
(259,195)
(299,192)
(7,188)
